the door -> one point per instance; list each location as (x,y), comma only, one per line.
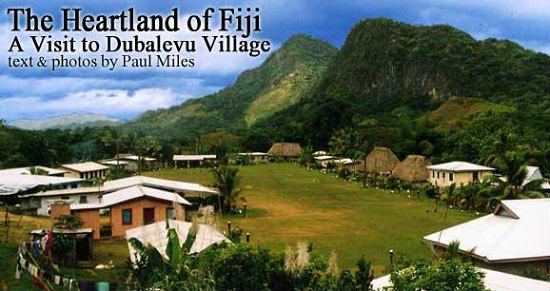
(475,176)
(148,215)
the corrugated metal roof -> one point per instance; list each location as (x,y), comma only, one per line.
(15,182)
(130,193)
(194,157)
(114,185)
(459,167)
(155,234)
(85,167)
(501,237)
(27,170)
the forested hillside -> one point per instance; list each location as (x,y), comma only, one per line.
(286,76)
(389,76)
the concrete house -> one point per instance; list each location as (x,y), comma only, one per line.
(193,160)
(131,162)
(87,170)
(514,238)
(129,208)
(459,173)
(41,203)
(324,160)
(12,185)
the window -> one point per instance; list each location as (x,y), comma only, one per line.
(170,213)
(438,175)
(451,177)
(148,215)
(126,216)
(83,199)
(433,174)
(443,175)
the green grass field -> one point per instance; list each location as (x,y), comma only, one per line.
(289,204)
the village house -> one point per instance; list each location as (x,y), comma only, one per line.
(115,164)
(254,157)
(12,185)
(129,208)
(194,160)
(324,160)
(534,174)
(35,170)
(87,170)
(514,238)
(381,160)
(458,173)
(412,169)
(41,203)
(132,162)
(285,150)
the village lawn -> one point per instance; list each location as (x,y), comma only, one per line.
(290,204)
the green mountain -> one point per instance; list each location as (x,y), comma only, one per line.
(387,67)
(281,81)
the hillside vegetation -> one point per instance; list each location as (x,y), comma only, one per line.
(286,76)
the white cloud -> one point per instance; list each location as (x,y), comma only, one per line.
(56,86)
(106,102)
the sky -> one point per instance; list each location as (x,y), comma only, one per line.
(30,93)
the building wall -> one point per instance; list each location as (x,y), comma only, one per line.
(89,218)
(86,175)
(137,206)
(459,178)
(46,202)
(60,209)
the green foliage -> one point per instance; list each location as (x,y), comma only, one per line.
(444,275)
(227,181)
(67,222)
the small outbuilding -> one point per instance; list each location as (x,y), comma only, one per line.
(285,150)
(87,170)
(194,160)
(381,160)
(156,235)
(412,169)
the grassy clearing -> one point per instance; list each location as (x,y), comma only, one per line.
(290,204)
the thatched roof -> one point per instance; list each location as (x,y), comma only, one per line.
(412,169)
(381,160)
(285,149)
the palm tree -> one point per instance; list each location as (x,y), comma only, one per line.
(227,180)
(306,156)
(450,195)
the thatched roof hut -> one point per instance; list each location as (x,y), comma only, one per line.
(285,149)
(381,160)
(412,169)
